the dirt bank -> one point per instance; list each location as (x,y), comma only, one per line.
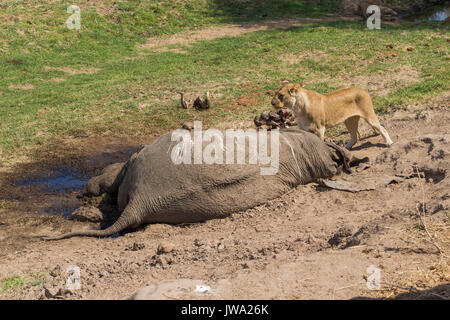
(390,11)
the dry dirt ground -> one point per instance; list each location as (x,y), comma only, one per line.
(231,30)
(312,243)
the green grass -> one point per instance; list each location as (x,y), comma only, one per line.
(130,91)
(37,279)
(13,282)
(17,281)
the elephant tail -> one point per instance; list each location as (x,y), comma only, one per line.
(132,216)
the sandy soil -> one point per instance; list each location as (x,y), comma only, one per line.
(230,30)
(312,243)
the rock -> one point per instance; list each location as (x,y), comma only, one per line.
(53,294)
(62,293)
(49,294)
(163,261)
(345,238)
(424,115)
(198,243)
(188,126)
(56,271)
(83,214)
(310,239)
(389,54)
(135,246)
(340,236)
(165,247)
(167,260)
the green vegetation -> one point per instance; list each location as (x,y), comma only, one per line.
(13,282)
(61,83)
(37,279)
(21,281)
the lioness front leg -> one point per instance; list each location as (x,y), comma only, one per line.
(320,132)
(352,127)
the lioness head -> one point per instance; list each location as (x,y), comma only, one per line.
(285,96)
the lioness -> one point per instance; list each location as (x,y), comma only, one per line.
(316,112)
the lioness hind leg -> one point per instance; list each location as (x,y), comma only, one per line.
(379,129)
(352,127)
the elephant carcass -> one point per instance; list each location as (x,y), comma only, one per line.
(151,188)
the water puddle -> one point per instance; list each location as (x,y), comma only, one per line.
(115,235)
(57,180)
(436,13)
(63,211)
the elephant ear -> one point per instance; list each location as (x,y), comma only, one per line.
(341,156)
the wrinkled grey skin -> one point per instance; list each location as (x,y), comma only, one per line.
(152,189)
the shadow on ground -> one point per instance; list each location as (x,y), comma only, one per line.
(441,292)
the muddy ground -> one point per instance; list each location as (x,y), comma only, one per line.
(312,243)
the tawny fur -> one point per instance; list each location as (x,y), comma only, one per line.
(316,112)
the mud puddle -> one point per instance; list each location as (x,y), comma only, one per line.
(57,180)
(63,211)
(51,185)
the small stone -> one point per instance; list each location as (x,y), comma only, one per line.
(155,260)
(62,292)
(135,246)
(87,213)
(198,243)
(311,239)
(165,247)
(167,260)
(188,126)
(56,272)
(49,294)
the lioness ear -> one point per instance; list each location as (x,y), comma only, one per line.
(284,82)
(270,93)
(293,91)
